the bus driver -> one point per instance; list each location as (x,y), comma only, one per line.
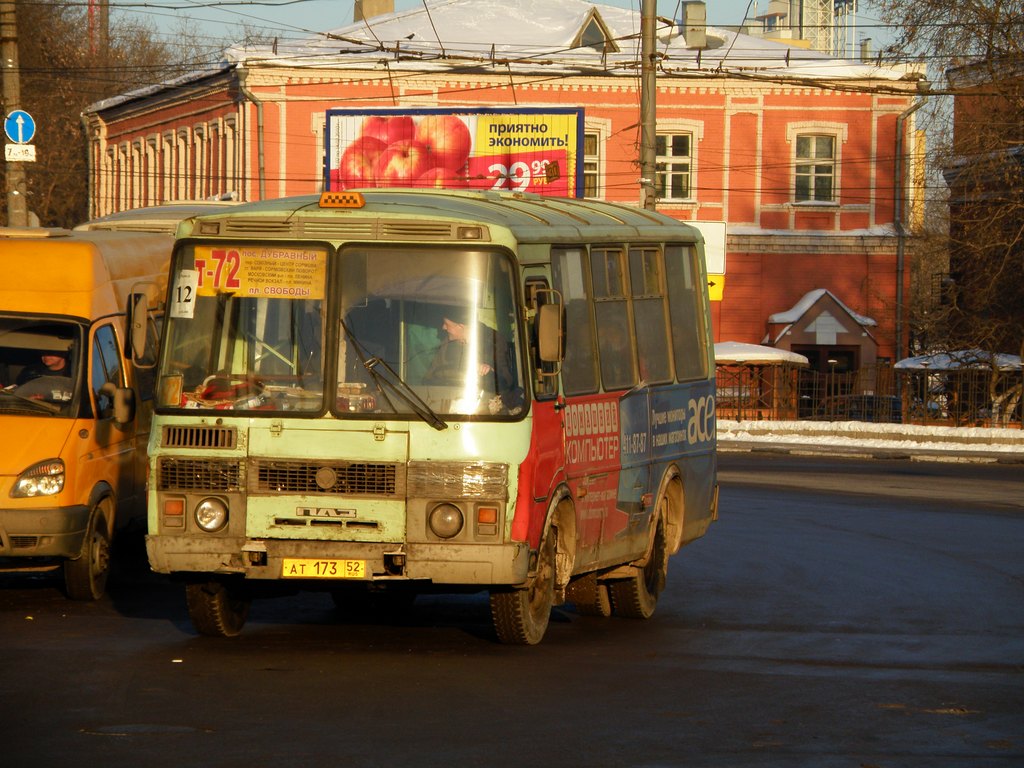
(494,367)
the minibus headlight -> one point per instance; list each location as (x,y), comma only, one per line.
(43,479)
(211,515)
(446,520)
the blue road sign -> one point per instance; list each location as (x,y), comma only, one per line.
(20,127)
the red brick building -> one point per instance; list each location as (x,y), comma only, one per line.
(793,150)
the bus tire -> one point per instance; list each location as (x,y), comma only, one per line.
(85,577)
(521,616)
(215,609)
(590,596)
(637,596)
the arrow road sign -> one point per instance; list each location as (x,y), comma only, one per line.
(20,127)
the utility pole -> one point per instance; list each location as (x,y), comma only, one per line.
(17,205)
(648,89)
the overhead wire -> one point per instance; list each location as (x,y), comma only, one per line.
(472,64)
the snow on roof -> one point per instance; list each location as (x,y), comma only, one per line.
(543,35)
(738,352)
(960,360)
(799,309)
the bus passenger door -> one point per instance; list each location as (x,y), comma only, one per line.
(547,450)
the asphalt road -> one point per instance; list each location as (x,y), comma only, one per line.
(840,613)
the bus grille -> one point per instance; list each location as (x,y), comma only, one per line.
(199,437)
(338,229)
(401,230)
(176,474)
(354,479)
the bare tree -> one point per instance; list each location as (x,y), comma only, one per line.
(977,48)
(61,74)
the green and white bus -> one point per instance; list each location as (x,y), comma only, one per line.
(384,392)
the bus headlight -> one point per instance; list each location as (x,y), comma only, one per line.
(211,515)
(43,479)
(446,520)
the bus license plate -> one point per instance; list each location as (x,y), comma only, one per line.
(310,568)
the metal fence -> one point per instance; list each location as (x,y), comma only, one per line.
(880,394)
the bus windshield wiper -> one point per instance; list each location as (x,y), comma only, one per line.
(387,378)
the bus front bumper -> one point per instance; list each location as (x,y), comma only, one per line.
(438,563)
(53,532)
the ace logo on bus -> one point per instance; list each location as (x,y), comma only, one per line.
(673,423)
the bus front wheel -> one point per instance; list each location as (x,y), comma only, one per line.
(637,596)
(216,609)
(521,616)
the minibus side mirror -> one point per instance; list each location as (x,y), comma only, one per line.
(549,333)
(124,406)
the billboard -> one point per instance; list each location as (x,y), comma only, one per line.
(520,149)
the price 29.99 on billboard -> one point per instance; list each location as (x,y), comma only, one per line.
(519,150)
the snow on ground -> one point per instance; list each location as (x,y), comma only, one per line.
(856,434)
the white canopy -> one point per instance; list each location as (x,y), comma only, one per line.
(755,354)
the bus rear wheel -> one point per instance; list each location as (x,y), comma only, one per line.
(521,616)
(590,596)
(637,596)
(85,577)
(216,609)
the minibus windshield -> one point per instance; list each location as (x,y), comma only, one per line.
(38,366)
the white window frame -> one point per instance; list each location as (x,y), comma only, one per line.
(695,130)
(600,129)
(838,132)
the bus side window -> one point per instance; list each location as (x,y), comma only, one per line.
(611,307)
(649,314)
(687,312)
(569,274)
(106,369)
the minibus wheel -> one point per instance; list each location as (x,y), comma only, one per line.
(216,609)
(521,616)
(85,577)
(637,596)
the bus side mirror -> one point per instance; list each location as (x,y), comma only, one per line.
(549,333)
(138,325)
(124,406)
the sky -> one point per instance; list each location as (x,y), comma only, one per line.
(222,19)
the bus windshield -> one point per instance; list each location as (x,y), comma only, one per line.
(436,325)
(420,332)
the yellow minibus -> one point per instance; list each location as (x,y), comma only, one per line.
(75,394)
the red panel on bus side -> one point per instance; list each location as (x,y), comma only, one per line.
(540,473)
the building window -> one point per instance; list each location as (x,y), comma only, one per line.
(815,168)
(167,167)
(674,153)
(232,185)
(591,164)
(184,173)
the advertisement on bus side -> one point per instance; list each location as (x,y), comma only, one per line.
(523,149)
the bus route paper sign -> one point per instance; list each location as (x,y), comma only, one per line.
(271,271)
(522,149)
